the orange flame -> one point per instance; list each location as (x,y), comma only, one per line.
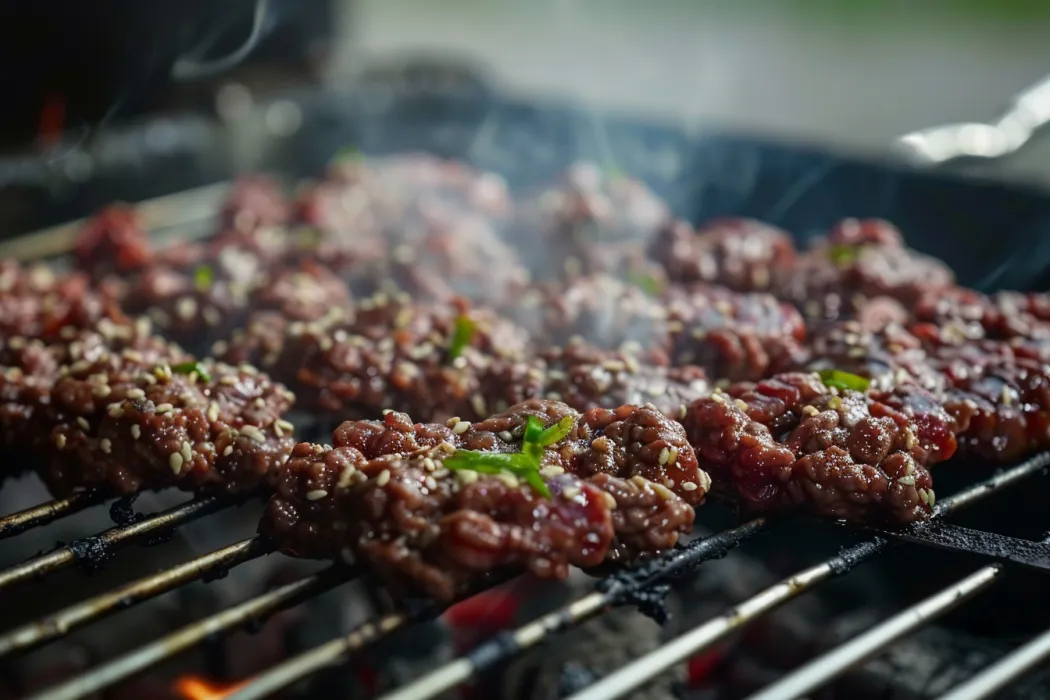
(197,688)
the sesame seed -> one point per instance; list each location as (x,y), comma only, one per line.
(705,480)
(907,480)
(82,422)
(228,451)
(387,411)
(810,410)
(115,410)
(106,445)
(284,425)
(429,464)
(717,397)
(163,408)
(345,476)
(384,478)
(101,390)
(508,479)
(452,422)
(136,431)
(506,436)
(673,455)
(663,492)
(60,441)
(441,472)
(228,380)
(175,462)
(430,483)
(466,476)
(187,451)
(665,454)
(552,470)
(570,492)
(253,433)
(461,427)
(682,411)
(316,494)
(741,404)
(610,502)
(689,486)
(136,394)
(277,430)
(932,497)
(213,412)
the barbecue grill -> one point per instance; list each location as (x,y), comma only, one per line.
(993,236)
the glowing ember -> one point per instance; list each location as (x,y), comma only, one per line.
(197,688)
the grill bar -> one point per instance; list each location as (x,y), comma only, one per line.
(328,654)
(823,669)
(640,671)
(864,646)
(115,537)
(170,211)
(529,635)
(175,643)
(16,523)
(1010,667)
(338,650)
(62,622)
(643,669)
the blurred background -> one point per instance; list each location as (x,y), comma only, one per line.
(849,76)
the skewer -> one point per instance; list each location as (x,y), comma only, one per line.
(1010,667)
(328,654)
(60,623)
(339,650)
(175,643)
(174,210)
(857,650)
(644,668)
(529,635)
(16,523)
(114,537)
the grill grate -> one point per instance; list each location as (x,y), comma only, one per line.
(617,590)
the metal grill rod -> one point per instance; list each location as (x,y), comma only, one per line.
(16,523)
(494,651)
(862,647)
(338,650)
(62,622)
(859,649)
(644,668)
(1009,668)
(179,641)
(328,654)
(173,210)
(115,537)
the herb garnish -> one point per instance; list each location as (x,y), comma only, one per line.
(203,277)
(191,367)
(525,464)
(650,284)
(844,380)
(844,255)
(462,334)
(348,154)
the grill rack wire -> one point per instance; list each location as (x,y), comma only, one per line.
(195,209)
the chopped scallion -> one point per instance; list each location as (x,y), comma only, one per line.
(844,380)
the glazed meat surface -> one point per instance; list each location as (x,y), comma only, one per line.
(382,493)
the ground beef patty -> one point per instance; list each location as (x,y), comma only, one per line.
(733,336)
(591,222)
(740,254)
(857,262)
(134,422)
(391,352)
(382,493)
(791,443)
